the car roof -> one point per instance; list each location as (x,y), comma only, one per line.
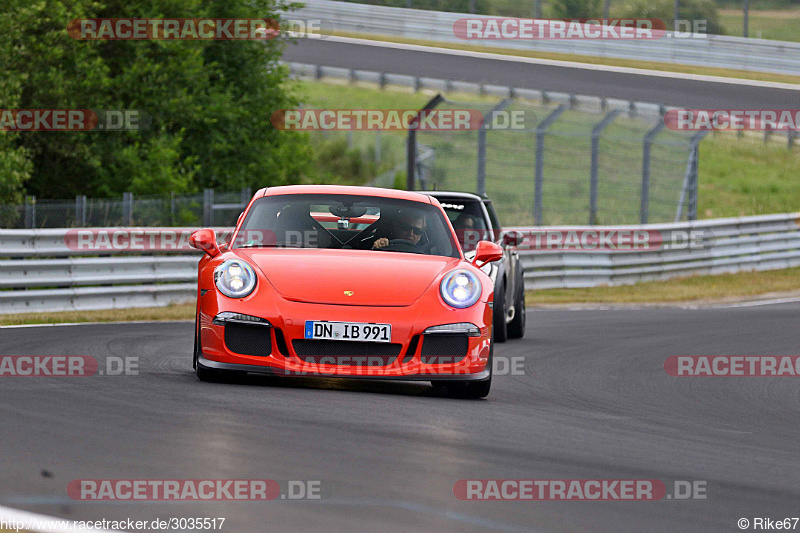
(377,192)
(455,194)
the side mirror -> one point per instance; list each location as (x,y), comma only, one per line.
(512,238)
(486,252)
(205,240)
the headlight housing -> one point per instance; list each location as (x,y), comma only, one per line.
(461,288)
(235,278)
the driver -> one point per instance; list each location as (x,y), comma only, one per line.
(409,226)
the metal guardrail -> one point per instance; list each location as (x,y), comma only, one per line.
(38,275)
(720,51)
(50,270)
(727,245)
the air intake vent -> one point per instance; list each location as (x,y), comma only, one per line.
(248,339)
(439,349)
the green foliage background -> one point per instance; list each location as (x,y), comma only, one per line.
(210,103)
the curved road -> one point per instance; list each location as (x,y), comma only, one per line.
(594,402)
(670,91)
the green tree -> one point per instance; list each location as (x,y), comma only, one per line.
(576,9)
(15,164)
(209,102)
(687,10)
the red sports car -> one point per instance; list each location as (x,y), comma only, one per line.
(355,282)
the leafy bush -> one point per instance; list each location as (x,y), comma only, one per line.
(210,102)
(665,10)
(576,9)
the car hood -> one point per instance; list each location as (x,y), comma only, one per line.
(324,276)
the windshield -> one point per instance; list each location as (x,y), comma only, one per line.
(467,219)
(338,221)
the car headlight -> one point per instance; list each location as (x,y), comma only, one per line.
(235,278)
(461,288)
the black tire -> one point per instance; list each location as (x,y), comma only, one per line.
(196,342)
(516,328)
(469,389)
(209,374)
(499,314)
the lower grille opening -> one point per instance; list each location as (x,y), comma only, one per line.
(344,353)
(440,349)
(248,339)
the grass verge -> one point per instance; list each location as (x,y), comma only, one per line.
(778,24)
(698,289)
(594,60)
(170,312)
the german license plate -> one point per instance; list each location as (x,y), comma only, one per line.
(348,331)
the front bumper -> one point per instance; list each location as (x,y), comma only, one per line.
(411,362)
(269,370)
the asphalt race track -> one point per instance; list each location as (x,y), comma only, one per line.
(594,403)
(670,91)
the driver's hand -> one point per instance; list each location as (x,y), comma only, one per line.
(380,243)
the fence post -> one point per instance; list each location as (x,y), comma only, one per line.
(690,179)
(648,140)
(596,132)
(246,194)
(695,174)
(482,134)
(80,210)
(208,207)
(172,208)
(127,209)
(30,212)
(411,145)
(541,130)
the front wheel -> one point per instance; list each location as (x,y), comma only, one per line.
(499,314)
(209,374)
(516,328)
(470,389)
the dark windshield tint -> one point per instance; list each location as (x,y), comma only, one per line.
(468,220)
(330,221)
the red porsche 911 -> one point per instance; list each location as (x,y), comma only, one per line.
(357,282)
